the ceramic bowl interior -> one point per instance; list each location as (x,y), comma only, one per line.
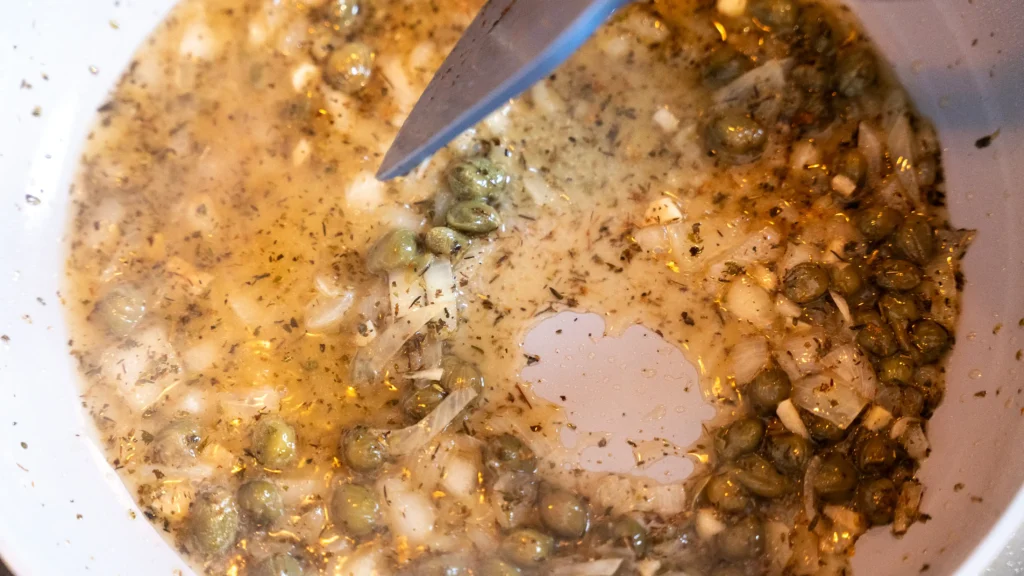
(65,510)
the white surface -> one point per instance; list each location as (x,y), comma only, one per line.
(969,91)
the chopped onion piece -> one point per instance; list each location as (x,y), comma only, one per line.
(844,308)
(662,211)
(365,333)
(605,567)
(911,435)
(901,426)
(432,374)
(870,146)
(538,189)
(732,8)
(877,418)
(371,360)
(830,397)
(406,291)
(648,567)
(908,505)
(853,368)
(748,358)
(847,526)
(787,307)
(323,313)
(653,239)
(769,78)
(666,120)
(418,435)
(764,277)
(901,150)
(842,185)
(790,418)
(812,472)
(800,354)
(441,289)
(748,301)
(708,524)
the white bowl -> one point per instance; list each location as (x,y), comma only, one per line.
(65,511)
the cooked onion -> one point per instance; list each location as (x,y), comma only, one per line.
(830,397)
(605,567)
(877,418)
(809,476)
(371,360)
(800,354)
(748,358)
(708,524)
(901,150)
(908,505)
(418,435)
(324,312)
(853,368)
(748,301)
(790,418)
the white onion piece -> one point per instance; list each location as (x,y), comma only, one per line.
(847,526)
(432,374)
(666,120)
(803,154)
(662,211)
(708,525)
(366,332)
(414,437)
(653,239)
(790,418)
(911,435)
(731,8)
(748,357)
(538,189)
(460,477)
(870,146)
(812,472)
(797,254)
(748,301)
(769,78)
(323,313)
(410,513)
(853,368)
(440,283)
(842,185)
(787,307)
(901,150)
(800,354)
(901,426)
(828,396)
(606,567)
(764,277)
(648,567)
(371,360)
(907,506)
(844,308)
(876,418)
(406,291)
(778,545)
(805,559)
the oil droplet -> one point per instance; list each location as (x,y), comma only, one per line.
(974,374)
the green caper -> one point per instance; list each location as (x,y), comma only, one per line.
(741,437)
(878,222)
(845,278)
(213,520)
(514,497)
(260,501)
(768,389)
(836,478)
(896,369)
(363,450)
(476,179)
(875,455)
(778,15)
(854,167)
(349,67)
(473,217)
(273,442)
(893,274)
(915,239)
(396,249)
(176,443)
(899,308)
(821,429)
(877,339)
(499,567)
(355,508)
(856,71)
(812,89)
(790,452)
(444,241)
(423,401)
(876,499)
(805,282)
(505,452)
(627,530)
(724,492)
(458,373)
(816,31)
(930,339)
(526,547)
(744,539)
(345,16)
(279,565)
(759,477)
(736,138)
(564,513)
(724,65)
(121,309)
(912,401)
(864,298)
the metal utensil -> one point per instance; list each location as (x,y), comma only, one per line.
(510,45)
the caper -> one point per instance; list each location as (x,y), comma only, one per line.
(213,520)
(816,32)
(865,298)
(739,438)
(724,492)
(878,222)
(790,452)
(423,401)
(514,496)
(346,16)
(768,389)
(396,249)
(505,452)
(744,539)
(759,477)
(476,179)
(819,312)
(446,242)
(527,547)
(121,309)
(836,478)
(363,450)
(724,65)
(349,67)
(915,239)
(821,429)
(778,15)
(876,499)
(805,282)
(895,274)
(845,278)
(458,373)
(930,339)
(633,534)
(260,501)
(473,217)
(812,88)
(912,402)
(875,455)
(176,443)
(899,308)
(877,339)
(278,565)
(854,167)
(856,71)
(735,137)
(355,508)
(564,513)
(499,567)
(273,442)
(896,369)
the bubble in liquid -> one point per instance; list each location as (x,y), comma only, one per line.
(974,374)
